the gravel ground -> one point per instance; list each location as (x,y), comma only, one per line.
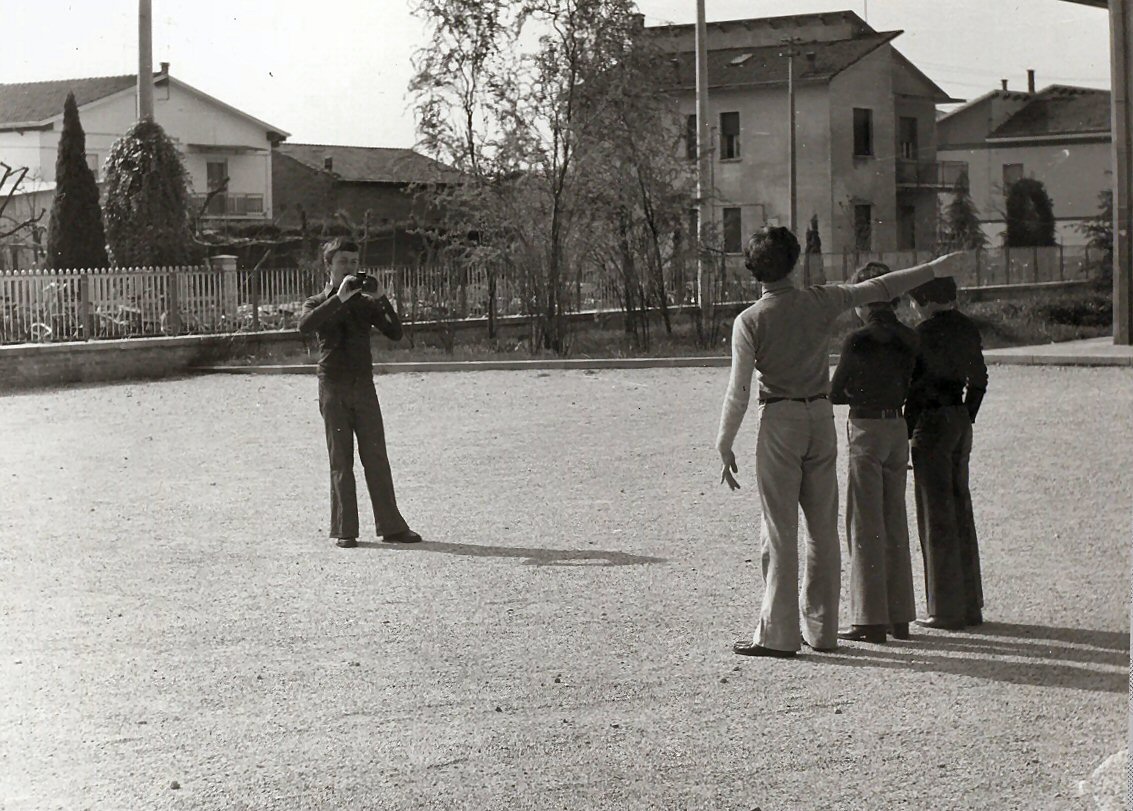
(177,632)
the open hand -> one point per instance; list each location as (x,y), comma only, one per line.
(729,460)
(348,288)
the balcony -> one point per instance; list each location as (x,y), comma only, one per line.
(937,175)
(250,206)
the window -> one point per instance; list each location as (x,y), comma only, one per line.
(1011,173)
(863,132)
(733,231)
(690,137)
(693,227)
(863,227)
(907,137)
(216,173)
(92,162)
(906,228)
(729,136)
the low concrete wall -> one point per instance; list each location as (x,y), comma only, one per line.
(27,366)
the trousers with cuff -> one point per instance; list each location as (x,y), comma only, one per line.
(795,457)
(942,447)
(350,409)
(877,529)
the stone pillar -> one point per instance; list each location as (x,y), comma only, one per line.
(225,265)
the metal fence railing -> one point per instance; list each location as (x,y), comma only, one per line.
(46,305)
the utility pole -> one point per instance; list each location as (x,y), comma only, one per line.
(792,153)
(704,193)
(145,61)
(1121,36)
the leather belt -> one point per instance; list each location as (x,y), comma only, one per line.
(875,413)
(766,400)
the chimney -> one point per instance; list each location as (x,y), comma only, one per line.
(328,163)
(165,68)
(1003,83)
(1030,81)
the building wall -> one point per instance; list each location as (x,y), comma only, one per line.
(1074,172)
(857,180)
(297,186)
(757,182)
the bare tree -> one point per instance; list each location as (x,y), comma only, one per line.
(10,182)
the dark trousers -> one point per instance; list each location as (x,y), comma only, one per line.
(942,446)
(349,409)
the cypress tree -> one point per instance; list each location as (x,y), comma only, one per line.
(1030,215)
(75,236)
(147,201)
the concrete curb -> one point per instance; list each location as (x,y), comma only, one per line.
(488,365)
(993,357)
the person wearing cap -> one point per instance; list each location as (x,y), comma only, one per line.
(874,369)
(340,318)
(948,385)
(784,339)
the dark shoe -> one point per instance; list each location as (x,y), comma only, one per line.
(900,630)
(749,649)
(874,634)
(974,619)
(941,624)
(405,536)
(346,543)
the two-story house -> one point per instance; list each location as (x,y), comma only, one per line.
(865,128)
(219,144)
(1059,135)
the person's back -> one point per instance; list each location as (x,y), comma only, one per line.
(790,335)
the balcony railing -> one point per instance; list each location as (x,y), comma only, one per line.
(231,205)
(944,175)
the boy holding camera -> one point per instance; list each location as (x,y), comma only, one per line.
(784,339)
(340,318)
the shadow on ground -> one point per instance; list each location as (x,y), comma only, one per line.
(992,652)
(532,556)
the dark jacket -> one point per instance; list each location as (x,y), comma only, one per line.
(876,364)
(950,367)
(343,331)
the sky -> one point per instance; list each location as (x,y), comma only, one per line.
(337,71)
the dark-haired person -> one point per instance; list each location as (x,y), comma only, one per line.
(874,369)
(784,339)
(340,318)
(948,386)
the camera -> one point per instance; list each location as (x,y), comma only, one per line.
(365,282)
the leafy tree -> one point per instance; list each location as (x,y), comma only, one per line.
(147,209)
(75,236)
(1098,231)
(962,231)
(1030,215)
(531,101)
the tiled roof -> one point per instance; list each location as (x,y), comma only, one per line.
(39,101)
(1059,110)
(737,67)
(370,164)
